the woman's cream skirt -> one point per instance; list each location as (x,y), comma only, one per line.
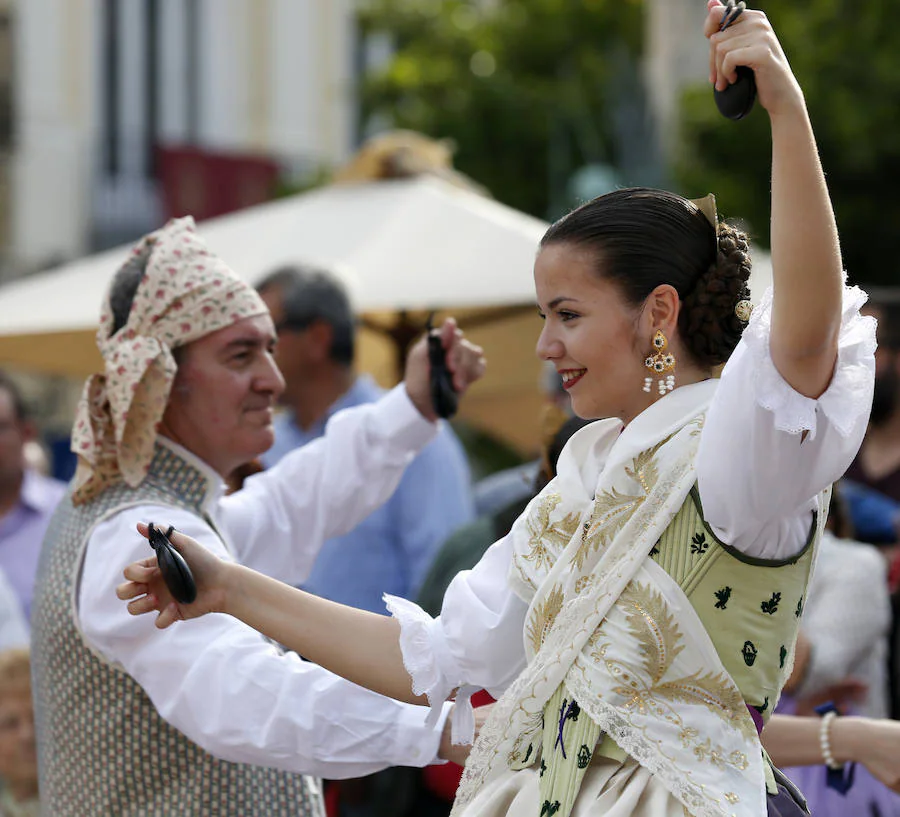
(610,788)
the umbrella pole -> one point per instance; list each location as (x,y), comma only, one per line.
(403,333)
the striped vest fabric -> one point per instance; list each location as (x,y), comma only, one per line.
(102,747)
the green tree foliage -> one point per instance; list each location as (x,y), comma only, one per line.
(528,90)
(844,54)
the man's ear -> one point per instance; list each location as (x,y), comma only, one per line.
(319,340)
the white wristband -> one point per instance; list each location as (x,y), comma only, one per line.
(825,741)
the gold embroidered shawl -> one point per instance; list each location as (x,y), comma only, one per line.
(604,620)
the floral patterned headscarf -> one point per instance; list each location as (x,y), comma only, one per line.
(186,292)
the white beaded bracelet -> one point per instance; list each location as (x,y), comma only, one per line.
(825,742)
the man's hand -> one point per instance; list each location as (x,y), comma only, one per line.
(447,750)
(465,361)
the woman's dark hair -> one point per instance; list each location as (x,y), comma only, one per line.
(641,238)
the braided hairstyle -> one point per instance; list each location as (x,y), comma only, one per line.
(641,238)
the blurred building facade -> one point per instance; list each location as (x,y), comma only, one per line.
(125,110)
(6,117)
(117,113)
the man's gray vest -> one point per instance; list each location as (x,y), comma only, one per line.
(102,747)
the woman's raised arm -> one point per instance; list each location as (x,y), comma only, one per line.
(806,259)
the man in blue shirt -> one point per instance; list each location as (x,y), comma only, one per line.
(391,551)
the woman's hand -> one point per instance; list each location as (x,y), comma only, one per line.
(751,41)
(874,743)
(807,271)
(146,591)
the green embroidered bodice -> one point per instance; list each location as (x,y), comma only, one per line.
(750,608)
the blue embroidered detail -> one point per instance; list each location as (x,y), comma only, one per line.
(567,712)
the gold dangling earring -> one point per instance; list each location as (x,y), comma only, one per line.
(660,362)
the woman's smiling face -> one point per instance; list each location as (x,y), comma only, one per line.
(591,335)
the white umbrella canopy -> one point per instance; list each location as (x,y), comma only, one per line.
(409,244)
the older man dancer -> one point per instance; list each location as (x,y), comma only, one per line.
(136,721)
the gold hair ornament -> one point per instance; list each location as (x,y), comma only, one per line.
(707,206)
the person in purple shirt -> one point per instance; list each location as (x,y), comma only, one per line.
(27,498)
(391,550)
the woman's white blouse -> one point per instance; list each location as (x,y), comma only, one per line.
(765,453)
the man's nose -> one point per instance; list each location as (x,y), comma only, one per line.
(270,379)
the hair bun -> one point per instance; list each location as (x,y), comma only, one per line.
(708,322)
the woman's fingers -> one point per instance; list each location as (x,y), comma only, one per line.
(735,58)
(714,17)
(183,543)
(131,590)
(142,605)
(143,571)
(168,615)
(145,590)
(744,49)
(750,29)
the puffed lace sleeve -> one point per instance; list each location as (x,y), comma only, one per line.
(766,450)
(475,643)
(846,402)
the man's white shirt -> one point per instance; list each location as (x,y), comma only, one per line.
(217,680)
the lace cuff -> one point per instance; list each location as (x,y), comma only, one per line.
(422,646)
(848,396)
